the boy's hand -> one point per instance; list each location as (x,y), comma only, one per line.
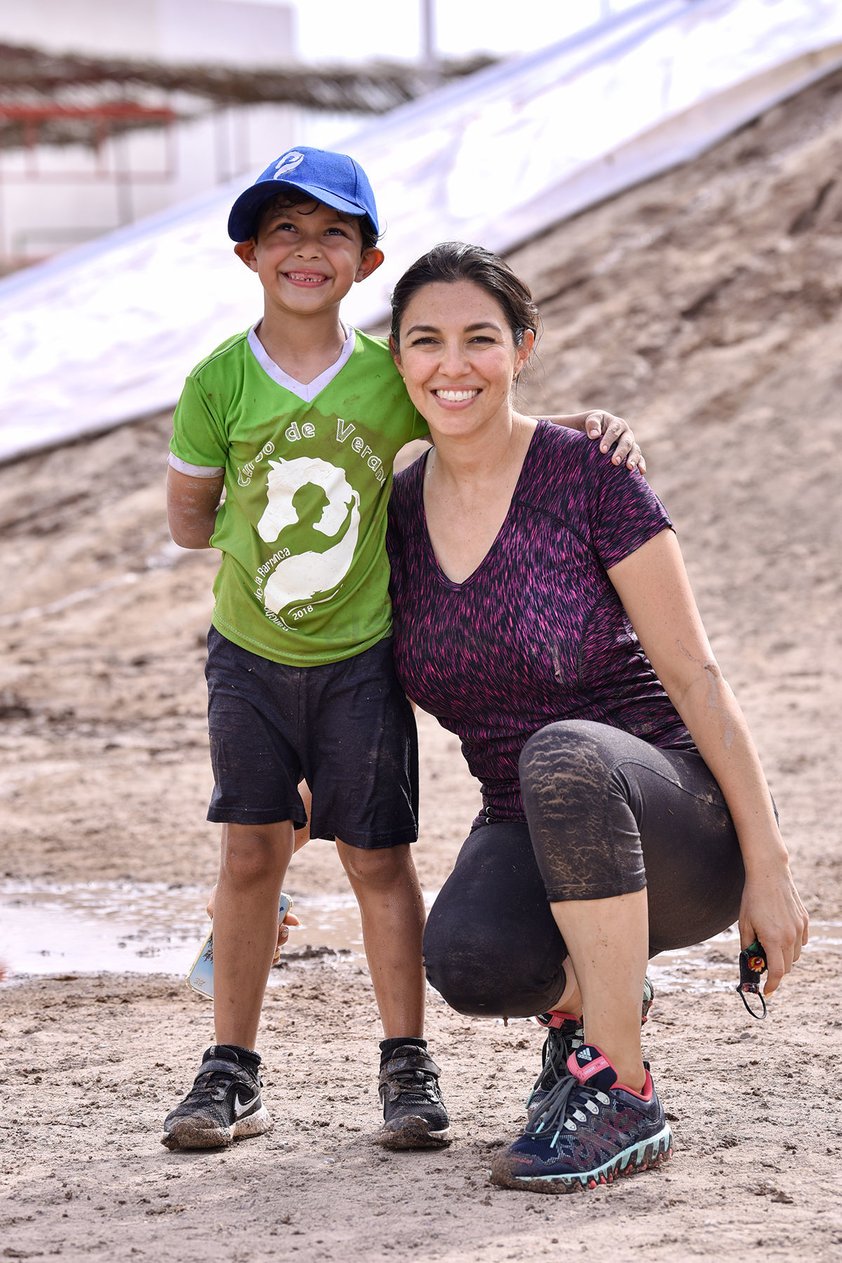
(283,934)
(611,429)
(283,926)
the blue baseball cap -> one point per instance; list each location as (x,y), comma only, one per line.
(332,178)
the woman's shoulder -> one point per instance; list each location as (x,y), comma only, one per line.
(406,485)
(569,452)
(558,456)
(561,440)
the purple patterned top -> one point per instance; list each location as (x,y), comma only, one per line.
(537,632)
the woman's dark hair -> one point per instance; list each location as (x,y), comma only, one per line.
(452,261)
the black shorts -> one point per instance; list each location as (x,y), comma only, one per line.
(346,728)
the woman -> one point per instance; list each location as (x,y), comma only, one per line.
(543,613)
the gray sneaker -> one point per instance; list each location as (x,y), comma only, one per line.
(414,1115)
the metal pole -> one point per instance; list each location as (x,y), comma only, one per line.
(429,56)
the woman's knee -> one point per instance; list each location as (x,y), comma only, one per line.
(565,754)
(489,974)
(581,816)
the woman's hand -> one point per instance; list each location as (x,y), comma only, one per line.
(611,429)
(772,912)
(283,926)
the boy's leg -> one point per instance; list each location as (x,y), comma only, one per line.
(392,914)
(253,864)
(225,1102)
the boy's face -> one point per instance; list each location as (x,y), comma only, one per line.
(307,256)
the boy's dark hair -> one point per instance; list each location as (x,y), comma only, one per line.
(284,198)
(451,261)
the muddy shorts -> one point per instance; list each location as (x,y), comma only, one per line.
(346,728)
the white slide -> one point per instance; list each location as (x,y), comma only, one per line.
(106,333)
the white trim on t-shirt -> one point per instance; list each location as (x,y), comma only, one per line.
(306,391)
(194,471)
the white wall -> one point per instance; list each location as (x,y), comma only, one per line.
(163,30)
(54,197)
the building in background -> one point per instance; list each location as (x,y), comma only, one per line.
(83,152)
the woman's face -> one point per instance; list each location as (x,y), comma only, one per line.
(458,357)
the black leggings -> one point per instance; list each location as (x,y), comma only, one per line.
(607,814)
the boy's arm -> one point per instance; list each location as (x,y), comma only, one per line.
(596,424)
(191,507)
(604,425)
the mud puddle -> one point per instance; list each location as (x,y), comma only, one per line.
(146,928)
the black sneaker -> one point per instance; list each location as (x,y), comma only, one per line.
(223,1105)
(413,1111)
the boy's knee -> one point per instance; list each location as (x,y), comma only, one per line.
(379,867)
(253,854)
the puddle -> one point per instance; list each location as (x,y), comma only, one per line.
(145,928)
(154,928)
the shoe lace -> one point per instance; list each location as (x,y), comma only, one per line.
(416,1081)
(567,1103)
(213,1083)
(557,1048)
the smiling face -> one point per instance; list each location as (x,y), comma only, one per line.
(458,357)
(307,256)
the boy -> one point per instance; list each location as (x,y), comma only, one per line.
(299,421)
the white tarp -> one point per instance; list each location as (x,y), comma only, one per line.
(106,333)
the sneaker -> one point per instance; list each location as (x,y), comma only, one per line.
(590,1130)
(413,1110)
(223,1105)
(565,1034)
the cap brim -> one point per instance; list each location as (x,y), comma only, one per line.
(244,212)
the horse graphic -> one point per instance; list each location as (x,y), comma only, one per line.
(302,576)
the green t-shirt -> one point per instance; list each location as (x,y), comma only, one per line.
(304,577)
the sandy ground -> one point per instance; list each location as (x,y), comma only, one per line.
(704,306)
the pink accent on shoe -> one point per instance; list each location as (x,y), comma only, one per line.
(591,1068)
(583,1073)
(556,1018)
(646,1094)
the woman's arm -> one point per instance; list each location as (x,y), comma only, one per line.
(191,507)
(653,585)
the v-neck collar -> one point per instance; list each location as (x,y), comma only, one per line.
(440,573)
(305,391)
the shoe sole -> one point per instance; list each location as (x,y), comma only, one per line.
(644,1156)
(186,1135)
(413,1133)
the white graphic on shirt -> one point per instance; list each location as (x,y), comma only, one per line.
(299,577)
